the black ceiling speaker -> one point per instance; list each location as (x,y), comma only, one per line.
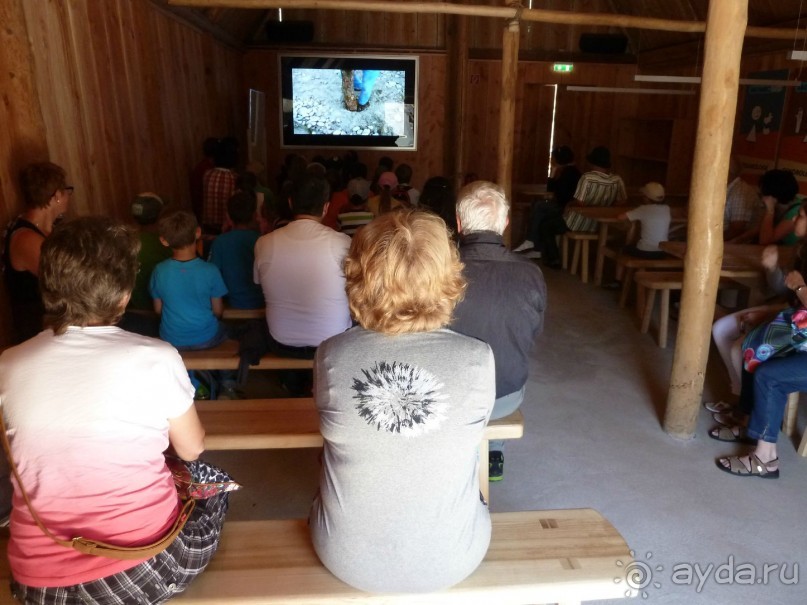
(604,44)
(290,32)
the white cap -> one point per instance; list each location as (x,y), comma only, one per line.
(653,191)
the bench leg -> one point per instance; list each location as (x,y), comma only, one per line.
(791,411)
(648,309)
(627,278)
(664,319)
(602,240)
(575,257)
(584,261)
(484,480)
(565,252)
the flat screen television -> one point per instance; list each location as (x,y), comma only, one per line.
(357,101)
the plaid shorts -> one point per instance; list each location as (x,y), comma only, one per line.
(161,577)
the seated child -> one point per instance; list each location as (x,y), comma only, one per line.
(654,218)
(356,214)
(234,254)
(139,317)
(187,291)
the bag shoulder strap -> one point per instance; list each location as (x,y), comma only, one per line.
(94,547)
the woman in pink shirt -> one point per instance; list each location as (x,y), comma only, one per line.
(90,410)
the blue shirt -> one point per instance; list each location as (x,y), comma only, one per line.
(185,288)
(234,254)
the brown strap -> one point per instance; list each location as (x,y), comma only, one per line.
(93,547)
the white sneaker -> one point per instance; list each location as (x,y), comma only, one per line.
(532,254)
(525,245)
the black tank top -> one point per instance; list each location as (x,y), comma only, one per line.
(23,288)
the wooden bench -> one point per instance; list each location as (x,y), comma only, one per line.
(254,424)
(225,357)
(230,313)
(628,265)
(580,256)
(650,282)
(561,556)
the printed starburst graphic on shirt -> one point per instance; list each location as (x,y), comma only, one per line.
(400,398)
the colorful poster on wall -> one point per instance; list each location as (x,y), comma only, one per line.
(793,145)
(760,122)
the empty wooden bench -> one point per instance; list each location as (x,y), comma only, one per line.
(562,556)
(251,424)
(628,265)
(225,357)
(650,282)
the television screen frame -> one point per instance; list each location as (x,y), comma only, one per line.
(404,140)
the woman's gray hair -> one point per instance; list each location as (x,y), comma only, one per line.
(482,206)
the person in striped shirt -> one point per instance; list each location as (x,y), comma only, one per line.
(357,214)
(597,187)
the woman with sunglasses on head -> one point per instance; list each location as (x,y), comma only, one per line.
(47,196)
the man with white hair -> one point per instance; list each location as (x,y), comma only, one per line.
(505,300)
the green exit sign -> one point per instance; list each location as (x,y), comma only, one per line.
(563,67)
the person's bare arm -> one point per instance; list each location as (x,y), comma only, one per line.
(25,249)
(158,306)
(187,435)
(218,306)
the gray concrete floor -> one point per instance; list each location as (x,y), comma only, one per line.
(594,409)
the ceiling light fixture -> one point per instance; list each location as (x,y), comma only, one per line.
(636,91)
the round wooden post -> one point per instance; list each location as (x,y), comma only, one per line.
(507,110)
(725,29)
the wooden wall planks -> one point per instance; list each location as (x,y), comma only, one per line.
(119,93)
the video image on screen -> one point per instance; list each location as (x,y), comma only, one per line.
(363,102)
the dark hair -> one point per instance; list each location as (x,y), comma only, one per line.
(358,171)
(563,155)
(87,266)
(309,195)
(210,147)
(241,207)
(404,173)
(600,156)
(178,228)
(40,182)
(226,153)
(438,197)
(386,163)
(246,181)
(780,184)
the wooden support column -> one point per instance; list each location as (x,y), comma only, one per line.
(725,29)
(454,144)
(507,110)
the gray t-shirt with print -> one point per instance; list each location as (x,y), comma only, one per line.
(402,417)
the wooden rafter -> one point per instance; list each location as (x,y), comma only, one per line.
(498,12)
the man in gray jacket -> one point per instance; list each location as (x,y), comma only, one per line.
(505,300)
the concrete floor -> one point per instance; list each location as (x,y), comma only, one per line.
(594,408)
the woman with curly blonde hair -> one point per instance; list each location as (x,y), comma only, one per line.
(403,404)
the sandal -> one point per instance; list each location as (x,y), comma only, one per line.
(733,418)
(732,434)
(758,468)
(719,407)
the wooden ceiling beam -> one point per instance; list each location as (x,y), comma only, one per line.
(498,12)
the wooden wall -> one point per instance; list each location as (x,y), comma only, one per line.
(119,92)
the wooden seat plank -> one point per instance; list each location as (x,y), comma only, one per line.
(534,557)
(291,423)
(225,357)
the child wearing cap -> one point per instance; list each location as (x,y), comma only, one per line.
(357,214)
(654,223)
(146,209)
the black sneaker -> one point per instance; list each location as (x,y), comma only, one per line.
(495,466)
